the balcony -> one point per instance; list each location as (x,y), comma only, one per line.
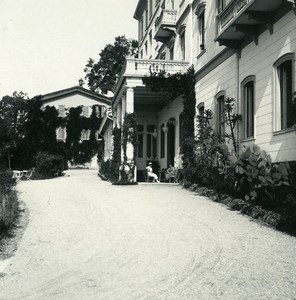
(248,18)
(135,69)
(143,67)
(165,25)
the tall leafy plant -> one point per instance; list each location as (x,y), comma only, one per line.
(116,155)
(129,135)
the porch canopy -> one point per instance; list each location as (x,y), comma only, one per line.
(132,95)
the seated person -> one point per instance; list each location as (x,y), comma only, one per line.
(170,173)
(150,173)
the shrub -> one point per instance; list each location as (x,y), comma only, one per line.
(105,168)
(260,181)
(48,164)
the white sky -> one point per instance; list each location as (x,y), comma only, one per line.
(45,44)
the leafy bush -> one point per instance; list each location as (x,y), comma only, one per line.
(6,182)
(105,168)
(116,155)
(8,200)
(48,164)
(260,181)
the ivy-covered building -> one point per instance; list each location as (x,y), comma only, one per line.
(239,49)
(80,113)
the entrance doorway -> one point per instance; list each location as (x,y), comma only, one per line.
(171,137)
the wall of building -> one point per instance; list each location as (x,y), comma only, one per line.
(212,48)
(258,60)
(220,79)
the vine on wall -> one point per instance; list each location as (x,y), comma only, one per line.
(173,86)
(129,135)
(80,152)
(116,155)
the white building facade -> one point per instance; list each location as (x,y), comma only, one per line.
(243,49)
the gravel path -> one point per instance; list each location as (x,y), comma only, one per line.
(88,239)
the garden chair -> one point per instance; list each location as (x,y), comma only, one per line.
(29,174)
(171,175)
(17,174)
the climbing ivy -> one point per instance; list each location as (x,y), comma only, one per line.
(80,152)
(129,135)
(116,155)
(179,85)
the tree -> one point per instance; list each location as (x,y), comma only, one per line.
(102,75)
(12,121)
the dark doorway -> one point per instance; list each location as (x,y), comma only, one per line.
(171,144)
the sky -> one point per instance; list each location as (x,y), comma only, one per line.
(45,44)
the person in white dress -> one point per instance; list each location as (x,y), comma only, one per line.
(150,173)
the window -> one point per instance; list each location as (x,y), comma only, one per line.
(62,112)
(162,141)
(221,5)
(140,129)
(200,12)
(85,135)
(61,134)
(201,112)
(100,111)
(201,25)
(85,111)
(220,115)
(285,106)
(151,141)
(248,103)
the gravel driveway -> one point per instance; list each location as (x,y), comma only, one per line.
(88,239)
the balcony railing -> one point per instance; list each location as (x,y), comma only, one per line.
(248,19)
(135,67)
(231,12)
(165,23)
(143,67)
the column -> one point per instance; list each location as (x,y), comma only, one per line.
(129,100)
(119,116)
(123,107)
(114,113)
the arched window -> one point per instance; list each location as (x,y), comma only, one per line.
(220,113)
(248,106)
(151,141)
(200,12)
(285,107)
